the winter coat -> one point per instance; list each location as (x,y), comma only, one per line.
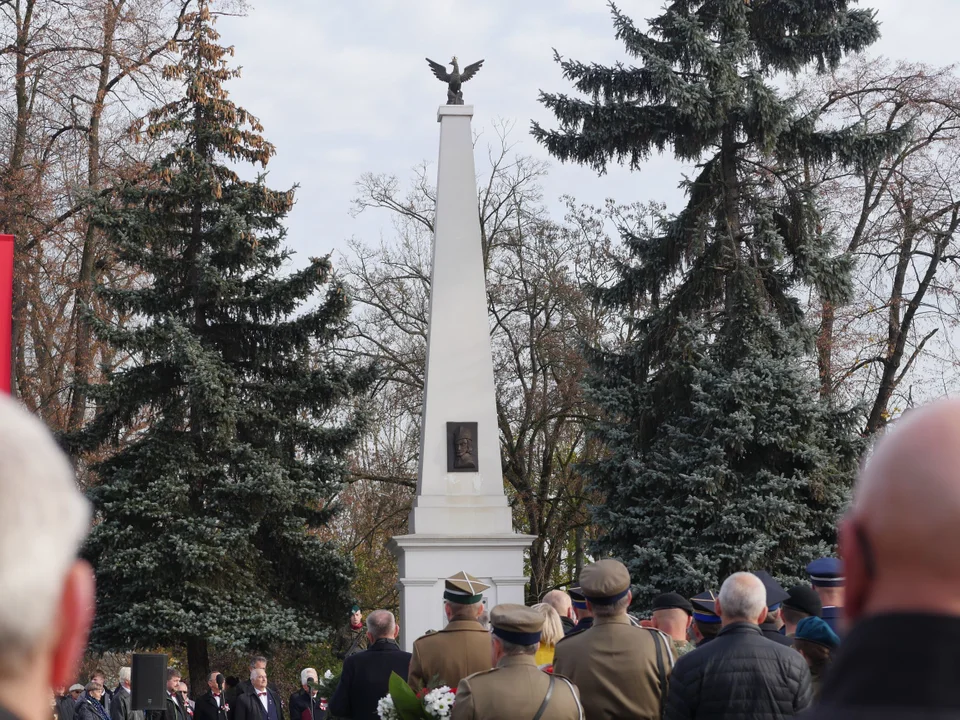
(740,675)
(89,708)
(894,667)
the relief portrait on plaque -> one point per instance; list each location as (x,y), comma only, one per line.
(462,447)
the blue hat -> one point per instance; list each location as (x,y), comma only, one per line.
(577,597)
(826,572)
(704,607)
(816,630)
(775,592)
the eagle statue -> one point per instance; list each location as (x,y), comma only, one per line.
(454,78)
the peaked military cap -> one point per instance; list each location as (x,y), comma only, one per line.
(804,599)
(605,581)
(578,598)
(775,592)
(517,624)
(705,607)
(816,630)
(672,600)
(464,589)
(826,572)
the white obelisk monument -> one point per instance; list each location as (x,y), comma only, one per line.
(460,518)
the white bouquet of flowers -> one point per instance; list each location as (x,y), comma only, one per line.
(402,703)
(438,703)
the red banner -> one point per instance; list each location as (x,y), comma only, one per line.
(6,310)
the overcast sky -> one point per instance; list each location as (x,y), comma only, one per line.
(342,88)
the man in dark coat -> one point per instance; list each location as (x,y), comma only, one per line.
(89,706)
(899,659)
(262,703)
(64,703)
(739,675)
(304,703)
(212,705)
(121,707)
(366,676)
(173,708)
(772,624)
(563,604)
(584,614)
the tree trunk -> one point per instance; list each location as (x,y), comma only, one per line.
(83,336)
(198,665)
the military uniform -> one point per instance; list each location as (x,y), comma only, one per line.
(775,595)
(516,687)
(584,621)
(350,641)
(828,573)
(676,601)
(460,649)
(621,670)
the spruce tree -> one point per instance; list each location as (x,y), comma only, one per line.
(721,456)
(222,438)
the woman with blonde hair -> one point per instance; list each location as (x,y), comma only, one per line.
(551,634)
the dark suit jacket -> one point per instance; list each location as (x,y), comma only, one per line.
(65,707)
(365,679)
(206,708)
(121,707)
(173,710)
(248,707)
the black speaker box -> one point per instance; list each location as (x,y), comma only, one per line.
(148,681)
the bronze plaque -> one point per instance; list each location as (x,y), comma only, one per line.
(462,447)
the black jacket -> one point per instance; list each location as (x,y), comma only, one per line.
(568,625)
(66,706)
(248,706)
(121,707)
(739,675)
(206,708)
(770,631)
(89,708)
(365,680)
(902,667)
(302,701)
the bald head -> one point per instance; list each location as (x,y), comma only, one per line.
(900,537)
(559,601)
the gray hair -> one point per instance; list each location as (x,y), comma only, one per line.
(307,673)
(458,611)
(742,597)
(93,686)
(43,521)
(125,674)
(381,624)
(608,611)
(255,671)
(254,661)
(510,648)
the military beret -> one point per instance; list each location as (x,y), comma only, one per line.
(464,589)
(354,609)
(804,599)
(578,598)
(605,581)
(672,600)
(816,630)
(775,592)
(517,624)
(704,607)
(826,572)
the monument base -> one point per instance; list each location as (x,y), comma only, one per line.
(424,561)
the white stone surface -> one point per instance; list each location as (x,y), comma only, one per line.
(459,521)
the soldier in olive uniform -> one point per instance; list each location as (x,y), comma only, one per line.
(353,636)
(620,669)
(463,646)
(673,615)
(516,687)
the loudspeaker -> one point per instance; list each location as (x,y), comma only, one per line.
(148,681)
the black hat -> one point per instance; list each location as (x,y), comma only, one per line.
(775,592)
(804,599)
(672,600)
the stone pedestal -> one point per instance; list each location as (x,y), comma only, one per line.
(460,519)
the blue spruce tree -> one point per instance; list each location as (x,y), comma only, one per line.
(221,440)
(721,454)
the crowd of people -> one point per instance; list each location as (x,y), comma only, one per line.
(875,634)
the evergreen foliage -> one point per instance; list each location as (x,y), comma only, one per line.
(721,456)
(223,438)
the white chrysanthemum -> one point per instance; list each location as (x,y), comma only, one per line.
(386,709)
(327,675)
